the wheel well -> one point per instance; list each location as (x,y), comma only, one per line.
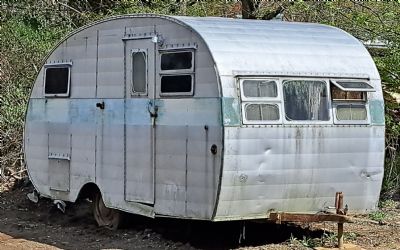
(89,190)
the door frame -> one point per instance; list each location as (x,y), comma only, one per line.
(147,99)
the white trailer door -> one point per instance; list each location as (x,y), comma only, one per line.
(139,123)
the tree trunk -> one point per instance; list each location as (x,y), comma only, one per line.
(248,9)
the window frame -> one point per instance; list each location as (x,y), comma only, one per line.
(260,100)
(339,102)
(336,83)
(57,65)
(332,104)
(307,122)
(176,72)
(145,93)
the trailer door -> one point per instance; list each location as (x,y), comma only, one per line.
(139,119)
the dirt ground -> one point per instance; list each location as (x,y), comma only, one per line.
(25,225)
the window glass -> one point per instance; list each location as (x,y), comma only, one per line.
(176,60)
(176,84)
(338,94)
(57,80)
(258,88)
(354,85)
(262,112)
(350,112)
(139,72)
(305,100)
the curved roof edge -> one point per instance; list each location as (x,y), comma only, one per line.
(258,47)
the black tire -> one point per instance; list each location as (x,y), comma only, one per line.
(104,216)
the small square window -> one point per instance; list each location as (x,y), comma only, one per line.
(262,112)
(177,60)
(57,81)
(259,88)
(177,84)
(351,112)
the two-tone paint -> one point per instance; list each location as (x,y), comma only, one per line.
(164,166)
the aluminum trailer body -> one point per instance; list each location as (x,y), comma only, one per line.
(208,118)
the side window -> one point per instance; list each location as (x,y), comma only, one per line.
(305,100)
(177,73)
(259,89)
(262,112)
(351,112)
(260,101)
(349,100)
(139,72)
(57,80)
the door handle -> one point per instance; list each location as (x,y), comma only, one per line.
(153,111)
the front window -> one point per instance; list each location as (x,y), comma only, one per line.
(177,60)
(305,100)
(177,73)
(176,84)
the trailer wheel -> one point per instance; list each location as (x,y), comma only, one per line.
(104,216)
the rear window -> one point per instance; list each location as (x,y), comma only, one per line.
(57,81)
(305,100)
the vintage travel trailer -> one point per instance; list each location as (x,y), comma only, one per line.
(206,118)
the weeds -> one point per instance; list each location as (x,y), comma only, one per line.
(388,204)
(378,216)
(306,242)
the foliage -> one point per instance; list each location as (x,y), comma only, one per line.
(388,204)
(378,216)
(29,28)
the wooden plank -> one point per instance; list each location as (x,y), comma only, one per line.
(292,217)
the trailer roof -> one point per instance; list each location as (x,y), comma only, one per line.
(259,47)
(276,48)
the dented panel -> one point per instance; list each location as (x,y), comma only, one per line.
(299,169)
